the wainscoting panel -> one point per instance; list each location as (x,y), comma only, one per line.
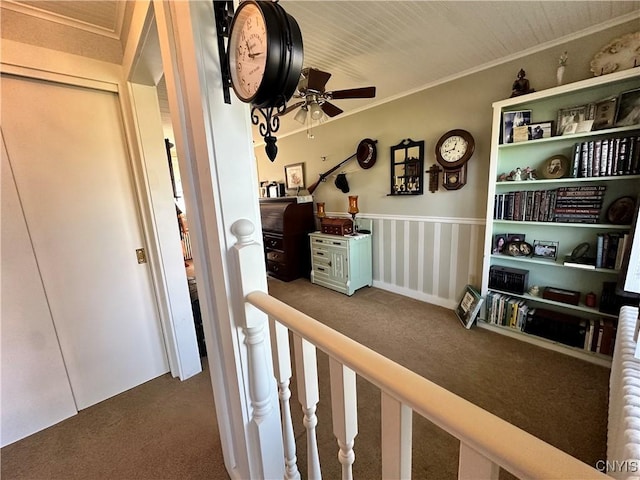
(427,258)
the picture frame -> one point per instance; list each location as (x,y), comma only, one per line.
(294,175)
(556,166)
(518,249)
(628,111)
(605,113)
(469,306)
(499,240)
(513,119)
(545,249)
(575,119)
(516,237)
(541,130)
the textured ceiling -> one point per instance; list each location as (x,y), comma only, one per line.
(398,46)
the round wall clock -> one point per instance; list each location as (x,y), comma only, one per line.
(265,53)
(454,148)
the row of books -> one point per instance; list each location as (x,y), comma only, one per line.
(507,311)
(564,204)
(606,157)
(600,336)
(593,335)
(611,248)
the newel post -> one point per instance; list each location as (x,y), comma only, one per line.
(267,457)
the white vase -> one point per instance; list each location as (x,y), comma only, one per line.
(560,74)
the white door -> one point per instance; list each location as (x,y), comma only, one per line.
(67,149)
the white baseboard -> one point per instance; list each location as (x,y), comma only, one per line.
(423,297)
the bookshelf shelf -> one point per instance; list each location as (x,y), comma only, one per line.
(551,263)
(606,226)
(582,195)
(579,308)
(565,181)
(597,358)
(573,137)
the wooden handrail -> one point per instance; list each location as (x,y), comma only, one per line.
(504,444)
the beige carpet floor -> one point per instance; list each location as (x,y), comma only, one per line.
(166,429)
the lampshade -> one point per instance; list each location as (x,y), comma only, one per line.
(353,204)
(316,111)
(301,116)
(320,210)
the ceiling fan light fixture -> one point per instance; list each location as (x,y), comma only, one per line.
(316,111)
(301,116)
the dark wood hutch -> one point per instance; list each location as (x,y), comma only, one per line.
(285,228)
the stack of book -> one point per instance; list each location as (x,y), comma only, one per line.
(506,310)
(606,157)
(578,204)
(557,326)
(610,249)
(565,204)
(600,336)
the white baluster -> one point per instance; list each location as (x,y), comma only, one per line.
(473,466)
(344,409)
(396,438)
(282,370)
(266,445)
(307,378)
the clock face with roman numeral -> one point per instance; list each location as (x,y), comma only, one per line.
(454,148)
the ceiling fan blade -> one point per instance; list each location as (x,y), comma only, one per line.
(315,79)
(330,109)
(365,92)
(290,108)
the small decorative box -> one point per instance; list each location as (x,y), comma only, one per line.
(512,280)
(560,295)
(337,226)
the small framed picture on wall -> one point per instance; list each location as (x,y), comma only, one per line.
(294,175)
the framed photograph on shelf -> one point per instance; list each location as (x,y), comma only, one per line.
(510,120)
(545,249)
(541,130)
(605,113)
(469,306)
(498,243)
(294,175)
(628,108)
(556,166)
(575,119)
(516,237)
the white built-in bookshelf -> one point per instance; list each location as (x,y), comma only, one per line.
(601,185)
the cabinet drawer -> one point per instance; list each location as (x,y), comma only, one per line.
(276,256)
(276,268)
(329,242)
(273,241)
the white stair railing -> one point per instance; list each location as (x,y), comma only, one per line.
(486,441)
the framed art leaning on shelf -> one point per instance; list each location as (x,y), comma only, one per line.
(469,306)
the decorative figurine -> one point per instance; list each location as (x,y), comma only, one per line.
(521,85)
(534,291)
(530,174)
(562,62)
(517,175)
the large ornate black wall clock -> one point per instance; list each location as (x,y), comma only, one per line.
(265,62)
(453,151)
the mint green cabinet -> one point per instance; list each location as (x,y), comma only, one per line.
(342,263)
